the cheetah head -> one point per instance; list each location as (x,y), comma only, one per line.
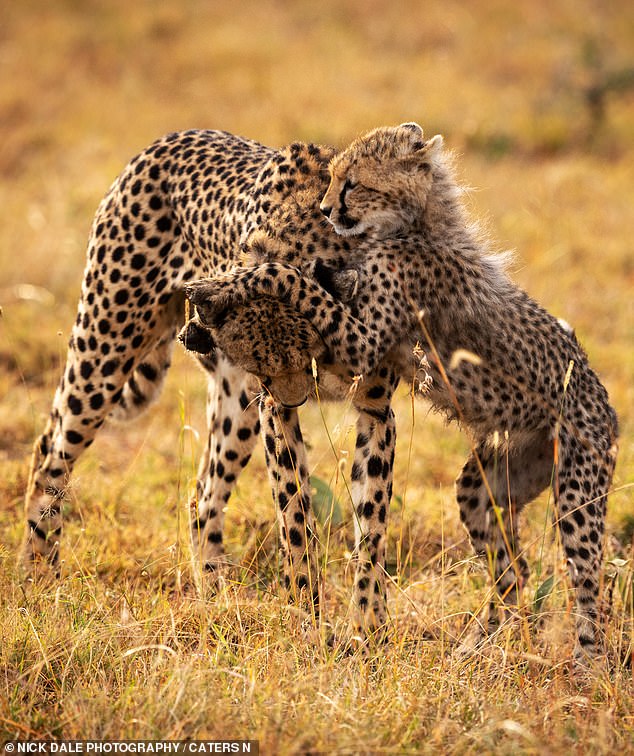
(380,183)
(267,337)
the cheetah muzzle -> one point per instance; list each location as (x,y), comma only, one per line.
(265,337)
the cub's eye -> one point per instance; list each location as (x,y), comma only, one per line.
(348,185)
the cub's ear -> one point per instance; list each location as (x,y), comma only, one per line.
(410,138)
(432,146)
(196,338)
(413,127)
(424,155)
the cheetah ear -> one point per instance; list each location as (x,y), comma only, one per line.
(424,155)
(211,308)
(342,284)
(432,147)
(411,139)
(198,291)
(196,338)
(413,128)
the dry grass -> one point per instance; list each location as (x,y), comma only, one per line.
(123,647)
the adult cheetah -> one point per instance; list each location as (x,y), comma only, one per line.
(176,213)
(515,378)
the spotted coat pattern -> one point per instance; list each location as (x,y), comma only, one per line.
(178,212)
(515,377)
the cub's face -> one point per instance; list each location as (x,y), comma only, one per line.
(381,182)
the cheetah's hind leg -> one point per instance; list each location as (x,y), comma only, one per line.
(102,370)
(581,485)
(513,479)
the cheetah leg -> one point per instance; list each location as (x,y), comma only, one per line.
(371,494)
(338,327)
(581,485)
(233,429)
(513,480)
(288,474)
(51,464)
(101,369)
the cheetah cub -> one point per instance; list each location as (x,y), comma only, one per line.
(510,373)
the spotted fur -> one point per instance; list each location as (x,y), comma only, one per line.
(516,379)
(178,212)
(268,338)
(175,213)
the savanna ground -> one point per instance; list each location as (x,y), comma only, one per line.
(538,100)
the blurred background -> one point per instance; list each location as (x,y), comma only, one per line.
(536,98)
(84,85)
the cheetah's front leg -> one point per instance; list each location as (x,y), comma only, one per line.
(371,493)
(288,474)
(233,429)
(351,341)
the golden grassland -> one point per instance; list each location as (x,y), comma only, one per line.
(536,100)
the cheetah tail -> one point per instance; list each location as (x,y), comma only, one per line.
(144,386)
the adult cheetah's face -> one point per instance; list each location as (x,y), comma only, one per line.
(267,339)
(380,183)
(266,336)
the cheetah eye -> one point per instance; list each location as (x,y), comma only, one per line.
(348,185)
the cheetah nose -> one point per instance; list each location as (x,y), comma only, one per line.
(326,210)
